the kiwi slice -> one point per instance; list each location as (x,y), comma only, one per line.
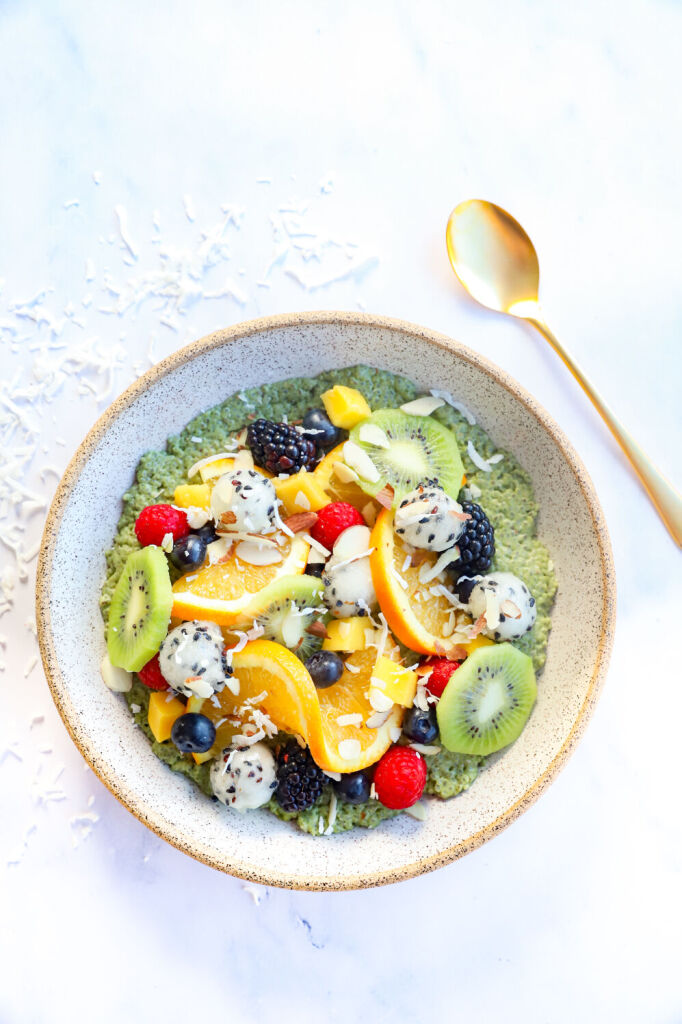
(296,604)
(487,701)
(140,609)
(420,449)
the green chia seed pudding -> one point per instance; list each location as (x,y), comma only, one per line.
(504,493)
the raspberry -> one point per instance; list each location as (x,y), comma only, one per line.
(441,670)
(400,778)
(155,521)
(151,675)
(332,520)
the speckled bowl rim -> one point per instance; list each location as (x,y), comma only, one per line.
(58,685)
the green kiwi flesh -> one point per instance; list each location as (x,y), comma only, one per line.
(140,609)
(487,700)
(421,449)
(284,620)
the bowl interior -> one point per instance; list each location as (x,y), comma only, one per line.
(83,521)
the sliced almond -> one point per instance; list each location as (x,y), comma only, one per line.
(511,610)
(256,554)
(378,719)
(461,516)
(349,749)
(345,474)
(369,513)
(369,433)
(477,627)
(117,679)
(379,701)
(385,496)
(300,521)
(317,629)
(359,460)
(423,406)
(228,517)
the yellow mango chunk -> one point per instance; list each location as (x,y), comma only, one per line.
(345,406)
(215,469)
(192,496)
(400,684)
(479,641)
(345,634)
(302,492)
(163,713)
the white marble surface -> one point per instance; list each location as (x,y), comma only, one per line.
(372,120)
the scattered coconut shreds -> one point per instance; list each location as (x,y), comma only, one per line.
(511,610)
(494,459)
(421,697)
(197,517)
(378,719)
(369,433)
(474,490)
(395,732)
(359,460)
(333,803)
(423,406)
(320,825)
(379,701)
(399,579)
(483,464)
(167,543)
(193,470)
(459,407)
(349,749)
(345,474)
(334,776)
(353,669)
(425,748)
(353,719)
(417,811)
(373,792)
(320,548)
(430,572)
(353,558)
(385,496)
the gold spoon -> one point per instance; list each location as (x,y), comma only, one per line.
(496,262)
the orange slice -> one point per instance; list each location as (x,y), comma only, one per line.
(339,490)
(234,591)
(295,705)
(415,615)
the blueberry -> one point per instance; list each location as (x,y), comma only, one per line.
(193,733)
(354,787)
(316,420)
(188,553)
(314,569)
(207,532)
(325,667)
(421,726)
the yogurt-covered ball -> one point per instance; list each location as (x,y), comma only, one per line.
(191,659)
(245,778)
(429,518)
(251,499)
(515,601)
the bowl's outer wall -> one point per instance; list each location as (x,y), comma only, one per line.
(82,522)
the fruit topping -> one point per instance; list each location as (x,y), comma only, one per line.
(162,713)
(193,733)
(341,483)
(487,701)
(439,672)
(155,522)
(243,778)
(296,602)
(354,787)
(151,675)
(243,501)
(279,448)
(421,451)
(140,609)
(347,579)
(320,430)
(400,778)
(188,553)
(429,518)
(192,659)
(346,634)
(476,543)
(395,682)
(299,780)
(192,495)
(207,532)
(302,492)
(332,520)
(506,603)
(325,667)
(345,406)
(421,726)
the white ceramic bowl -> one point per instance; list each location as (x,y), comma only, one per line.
(82,522)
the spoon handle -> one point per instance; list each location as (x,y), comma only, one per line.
(667,500)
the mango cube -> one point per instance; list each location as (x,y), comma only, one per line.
(212,470)
(301,492)
(192,496)
(163,712)
(345,634)
(400,684)
(345,406)
(479,641)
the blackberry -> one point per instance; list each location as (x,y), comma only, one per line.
(476,544)
(299,780)
(279,448)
